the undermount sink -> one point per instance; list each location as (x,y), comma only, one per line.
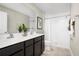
(4,36)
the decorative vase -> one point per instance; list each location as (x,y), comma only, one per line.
(24,34)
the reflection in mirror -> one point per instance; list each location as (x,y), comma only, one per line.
(3,22)
(9,22)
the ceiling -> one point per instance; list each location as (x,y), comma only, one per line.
(53,8)
(25,8)
(45,8)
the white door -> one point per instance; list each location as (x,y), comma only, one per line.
(57,32)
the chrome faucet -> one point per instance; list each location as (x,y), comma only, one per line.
(11,36)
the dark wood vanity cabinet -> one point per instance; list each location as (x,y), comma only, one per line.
(20,53)
(16,49)
(29,51)
(28,47)
(31,47)
(37,46)
(42,44)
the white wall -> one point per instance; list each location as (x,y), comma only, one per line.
(58,34)
(75,40)
(47,30)
(57,15)
(74,9)
(33,19)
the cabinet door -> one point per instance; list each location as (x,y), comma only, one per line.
(29,51)
(11,50)
(28,47)
(37,48)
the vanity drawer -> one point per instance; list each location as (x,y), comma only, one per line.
(28,42)
(37,39)
(7,51)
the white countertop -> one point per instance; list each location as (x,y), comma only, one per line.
(17,38)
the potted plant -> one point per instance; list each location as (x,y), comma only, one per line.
(20,28)
(24,29)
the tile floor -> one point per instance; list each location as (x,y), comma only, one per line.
(56,51)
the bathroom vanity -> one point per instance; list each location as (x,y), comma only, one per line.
(31,45)
(13,43)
